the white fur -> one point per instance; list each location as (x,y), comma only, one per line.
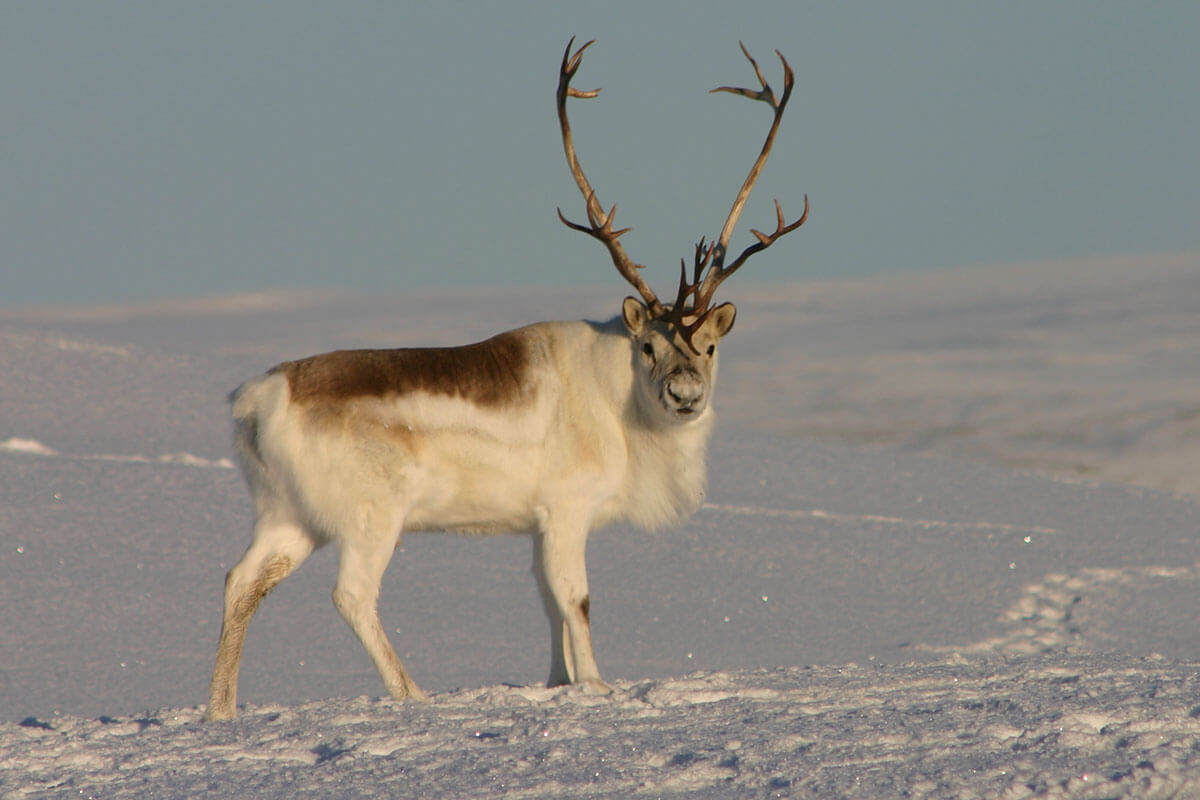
(603,433)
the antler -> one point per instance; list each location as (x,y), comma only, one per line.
(701,290)
(599,223)
(694,298)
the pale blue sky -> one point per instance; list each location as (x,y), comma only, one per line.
(162,149)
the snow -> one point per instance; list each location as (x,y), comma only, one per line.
(872,603)
(1077,727)
(16,444)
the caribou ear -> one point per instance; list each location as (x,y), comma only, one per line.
(722,318)
(635,314)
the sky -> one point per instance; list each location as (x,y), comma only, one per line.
(171,149)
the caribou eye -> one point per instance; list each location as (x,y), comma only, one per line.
(712,348)
(648,350)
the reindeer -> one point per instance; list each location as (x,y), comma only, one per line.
(553,429)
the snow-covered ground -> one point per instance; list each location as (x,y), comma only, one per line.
(873,603)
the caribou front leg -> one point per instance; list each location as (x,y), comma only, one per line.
(562,577)
(356,597)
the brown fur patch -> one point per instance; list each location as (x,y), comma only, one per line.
(274,570)
(489,373)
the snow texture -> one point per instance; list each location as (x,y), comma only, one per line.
(873,603)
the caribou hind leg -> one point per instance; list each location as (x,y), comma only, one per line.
(278,548)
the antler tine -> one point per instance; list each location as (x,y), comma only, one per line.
(764,241)
(597,228)
(681,309)
(599,222)
(703,254)
(570,64)
(700,261)
(765,94)
(685,288)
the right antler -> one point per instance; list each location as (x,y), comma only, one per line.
(599,224)
(712,257)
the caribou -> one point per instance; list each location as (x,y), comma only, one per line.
(554,429)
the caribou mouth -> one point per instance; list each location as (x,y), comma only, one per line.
(686,411)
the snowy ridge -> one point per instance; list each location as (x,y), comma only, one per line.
(816,513)
(1081,728)
(16,444)
(65,344)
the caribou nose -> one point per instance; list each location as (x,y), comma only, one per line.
(685,390)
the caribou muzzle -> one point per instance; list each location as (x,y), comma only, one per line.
(684,392)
